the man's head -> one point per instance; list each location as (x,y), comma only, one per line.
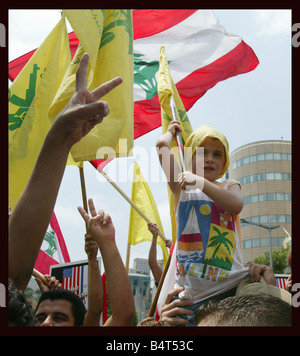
(60,307)
(20,312)
(247,310)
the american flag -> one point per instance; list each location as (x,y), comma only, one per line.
(281,281)
(75,279)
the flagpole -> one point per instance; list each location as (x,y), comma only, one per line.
(178,135)
(35,274)
(183,167)
(83,191)
(127,257)
(161,281)
(130,201)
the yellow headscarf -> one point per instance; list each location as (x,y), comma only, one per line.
(200,134)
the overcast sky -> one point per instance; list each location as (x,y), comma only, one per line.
(250,107)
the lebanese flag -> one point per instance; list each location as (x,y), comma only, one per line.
(53,250)
(200,53)
(199,50)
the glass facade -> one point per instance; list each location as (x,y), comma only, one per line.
(255,198)
(264,176)
(262,157)
(271,218)
(263,242)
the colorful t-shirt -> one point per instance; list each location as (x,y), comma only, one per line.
(208,255)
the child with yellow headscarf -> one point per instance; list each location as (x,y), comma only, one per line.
(207,251)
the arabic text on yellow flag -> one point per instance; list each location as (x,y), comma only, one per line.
(106,35)
(138,228)
(166,89)
(30,97)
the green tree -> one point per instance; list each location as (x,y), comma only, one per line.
(279,258)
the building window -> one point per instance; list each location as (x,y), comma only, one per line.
(262,157)
(264,176)
(256,242)
(263,242)
(248,244)
(266,219)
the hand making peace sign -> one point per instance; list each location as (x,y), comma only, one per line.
(99,224)
(84,111)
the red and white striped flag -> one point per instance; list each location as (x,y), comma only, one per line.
(281,282)
(200,54)
(53,250)
(73,278)
(199,50)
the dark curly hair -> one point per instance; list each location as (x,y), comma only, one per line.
(20,311)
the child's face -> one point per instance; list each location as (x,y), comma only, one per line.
(212,163)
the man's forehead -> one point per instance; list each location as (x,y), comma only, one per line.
(59,305)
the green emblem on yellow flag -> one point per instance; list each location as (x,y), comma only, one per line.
(30,97)
(106,35)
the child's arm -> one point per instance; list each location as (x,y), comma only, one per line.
(230,199)
(152,260)
(166,157)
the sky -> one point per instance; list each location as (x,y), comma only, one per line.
(250,107)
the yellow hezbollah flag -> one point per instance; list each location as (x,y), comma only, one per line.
(107,36)
(166,89)
(287,239)
(30,97)
(138,228)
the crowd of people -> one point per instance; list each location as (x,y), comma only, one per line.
(193,301)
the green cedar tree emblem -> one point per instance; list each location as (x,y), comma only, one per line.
(49,238)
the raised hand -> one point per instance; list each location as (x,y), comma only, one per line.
(100,225)
(84,111)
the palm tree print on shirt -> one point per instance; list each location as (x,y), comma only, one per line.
(220,248)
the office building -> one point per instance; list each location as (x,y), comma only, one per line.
(141,265)
(264,171)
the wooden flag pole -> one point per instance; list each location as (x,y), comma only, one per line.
(83,191)
(127,257)
(183,167)
(178,135)
(161,281)
(130,201)
(35,274)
